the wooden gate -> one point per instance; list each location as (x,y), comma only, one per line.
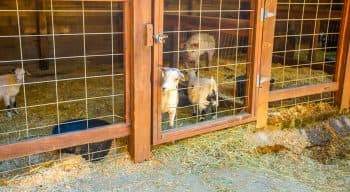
(218,40)
(78,53)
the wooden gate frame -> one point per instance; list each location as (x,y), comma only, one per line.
(160,136)
(137,58)
(341,84)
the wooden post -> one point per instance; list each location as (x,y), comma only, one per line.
(42,30)
(342,75)
(262,102)
(254,54)
(345,98)
(140,138)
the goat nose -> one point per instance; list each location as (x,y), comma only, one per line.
(163,88)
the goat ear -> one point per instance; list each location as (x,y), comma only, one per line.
(27,73)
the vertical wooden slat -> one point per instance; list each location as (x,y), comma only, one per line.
(157,63)
(254,53)
(127,44)
(265,65)
(140,138)
(342,67)
(345,91)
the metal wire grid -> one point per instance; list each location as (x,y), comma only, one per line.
(90,68)
(327,97)
(228,21)
(305,42)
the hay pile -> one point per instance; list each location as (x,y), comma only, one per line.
(300,115)
(204,157)
(233,150)
(71,166)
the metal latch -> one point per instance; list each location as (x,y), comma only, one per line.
(160,38)
(266,14)
(262,79)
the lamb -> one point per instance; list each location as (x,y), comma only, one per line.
(170,96)
(202,92)
(10,85)
(198,45)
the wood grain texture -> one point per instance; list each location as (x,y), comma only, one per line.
(51,143)
(302,91)
(254,54)
(342,66)
(265,65)
(205,127)
(140,138)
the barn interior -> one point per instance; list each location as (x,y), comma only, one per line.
(67,46)
(74,54)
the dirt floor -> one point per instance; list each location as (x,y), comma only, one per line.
(229,162)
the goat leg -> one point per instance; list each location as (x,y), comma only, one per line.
(14,104)
(172,114)
(8,106)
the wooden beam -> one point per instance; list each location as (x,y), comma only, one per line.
(156,74)
(345,88)
(302,91)
(265,66)
(55,142)
(204,127)
(140,138)
(254,54)
(342,67)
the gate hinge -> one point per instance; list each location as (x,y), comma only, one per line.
(265,14)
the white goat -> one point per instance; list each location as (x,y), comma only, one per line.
(202,92)
(170,96)
(10,85)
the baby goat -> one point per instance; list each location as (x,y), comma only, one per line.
(170,95)
(9,88)
(202,92)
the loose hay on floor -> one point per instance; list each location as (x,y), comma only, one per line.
(203,157)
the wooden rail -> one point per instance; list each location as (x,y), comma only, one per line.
(205,127)
(302,91)
(55,142)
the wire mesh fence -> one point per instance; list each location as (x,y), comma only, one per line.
(61,62)
(305,42)
(208,41)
